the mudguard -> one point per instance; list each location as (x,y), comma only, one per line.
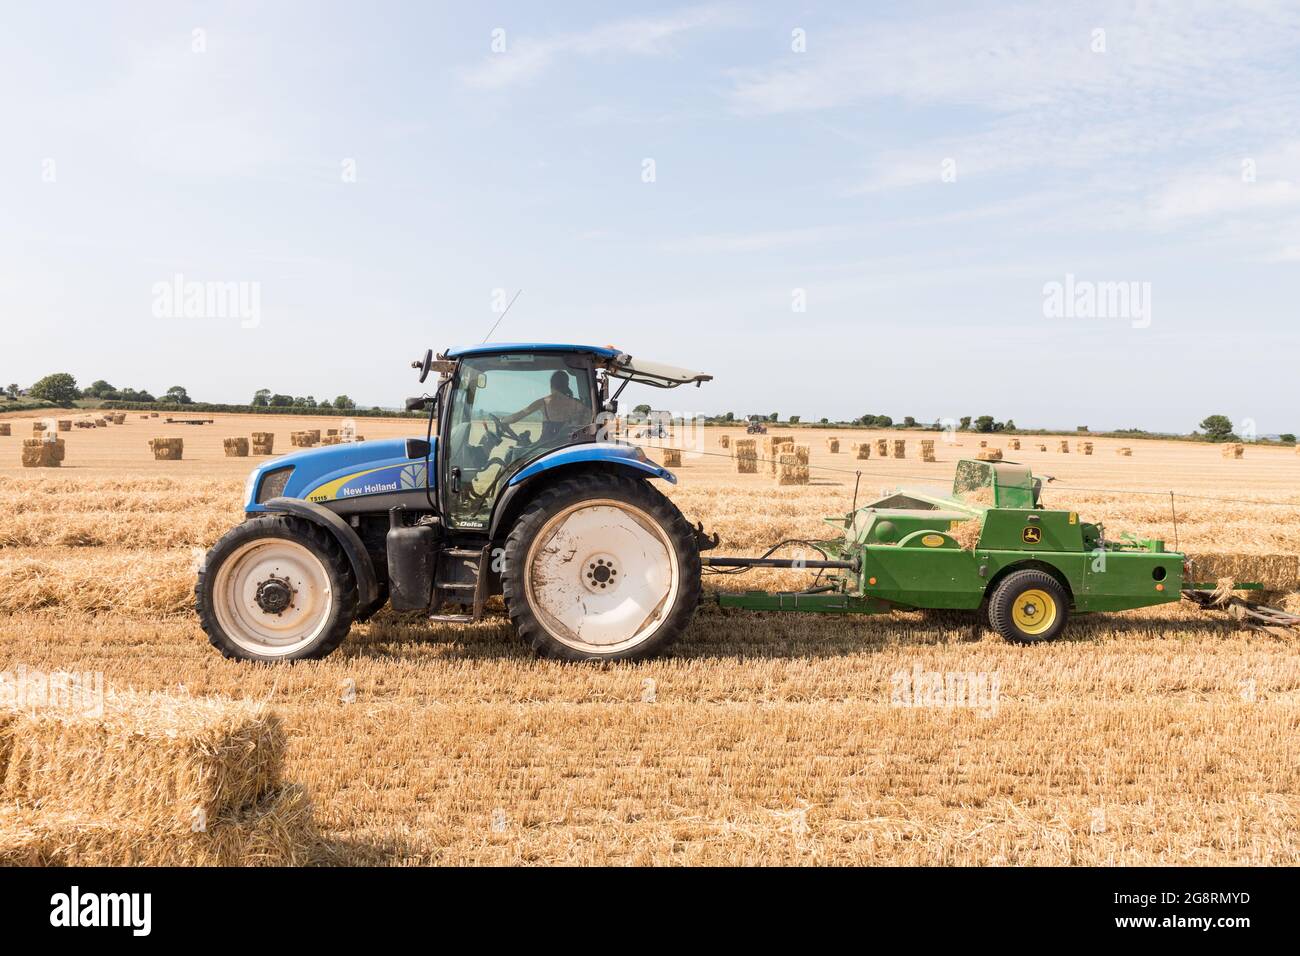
(349,541)
(627,458)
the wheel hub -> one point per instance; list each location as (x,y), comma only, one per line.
(600,573)
(275,595)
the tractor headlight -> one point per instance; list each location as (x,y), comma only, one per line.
(273,484)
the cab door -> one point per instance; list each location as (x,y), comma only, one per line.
(505,409)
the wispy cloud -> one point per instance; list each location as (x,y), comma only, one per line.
(526,58)
(761,240)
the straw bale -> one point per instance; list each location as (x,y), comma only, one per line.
(151,757)
(792,470)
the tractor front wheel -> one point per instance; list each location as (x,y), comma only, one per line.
(1029,607)
(276,589)
(600,567)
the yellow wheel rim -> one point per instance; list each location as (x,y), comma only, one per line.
(1033,611)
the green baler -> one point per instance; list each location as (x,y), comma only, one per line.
(1023,565)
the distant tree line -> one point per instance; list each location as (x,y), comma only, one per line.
(60,388)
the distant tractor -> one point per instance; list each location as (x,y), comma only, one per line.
(755,427)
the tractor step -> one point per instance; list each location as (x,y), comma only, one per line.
(461,577)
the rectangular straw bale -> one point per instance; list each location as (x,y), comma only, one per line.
(1125,452)
(1042,447)
(989,454)
(39,453)
(791,469)
(862,450)
(38,428)
(833,446)
(783,447)
(746,456)
(1063,447)
(1232,449)
(167,449)
(882,448)
(672,457)
(772,443)
(153,758)
(235,447)
(724,441)
(119,418)
(278,830)
(1277,572)
(1013,444)
(927,449)
(5,429)
(65,424)
(900,448)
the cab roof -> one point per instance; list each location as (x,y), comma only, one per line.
(617,364)
(500,347)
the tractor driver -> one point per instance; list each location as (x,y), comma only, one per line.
(561,412)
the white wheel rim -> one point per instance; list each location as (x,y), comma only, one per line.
(248,623)
(563,582)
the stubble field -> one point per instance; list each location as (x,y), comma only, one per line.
(1159,736)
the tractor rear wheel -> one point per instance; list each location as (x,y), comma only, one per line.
(600,568)
(276,588)
(1029,607)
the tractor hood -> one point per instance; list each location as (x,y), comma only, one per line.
(336,472)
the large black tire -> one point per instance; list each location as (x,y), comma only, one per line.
(1042,602)
(338,599)
(543,632)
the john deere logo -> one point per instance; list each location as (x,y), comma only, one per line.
(1031,535)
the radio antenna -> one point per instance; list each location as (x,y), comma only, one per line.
(501,316)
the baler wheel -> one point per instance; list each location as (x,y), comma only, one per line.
(1029,607)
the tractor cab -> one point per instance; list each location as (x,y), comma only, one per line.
(504,407)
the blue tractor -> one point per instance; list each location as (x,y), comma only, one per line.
(518,493)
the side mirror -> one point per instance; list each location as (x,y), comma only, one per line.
(417,448)
(423,365)
(418,403)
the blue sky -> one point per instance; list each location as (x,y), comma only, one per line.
(915,176)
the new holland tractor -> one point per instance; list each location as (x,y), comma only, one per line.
(520,493)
